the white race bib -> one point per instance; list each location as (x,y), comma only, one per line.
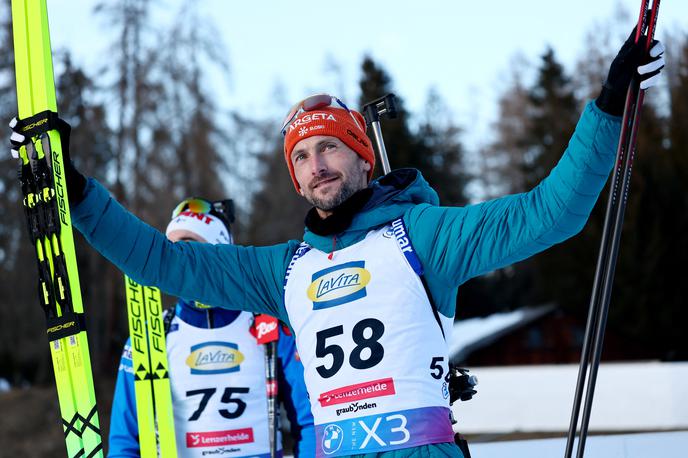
(375,359)
(218,390)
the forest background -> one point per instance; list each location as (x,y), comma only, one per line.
(148,124)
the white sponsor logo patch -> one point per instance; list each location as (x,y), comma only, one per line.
(266,328)
(309,118)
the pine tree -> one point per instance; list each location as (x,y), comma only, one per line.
(502,169)
(647,299)
(92,152)
(131,60)
(277,210)
(192,145)
(399,141)
(533,129)
(439,138)
(434,148)
(169,138)
(553,113)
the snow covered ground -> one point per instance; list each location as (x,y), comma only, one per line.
(665,445)
(628,397)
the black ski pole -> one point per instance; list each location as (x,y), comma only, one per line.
(609,246)
(271,375)
(372,112)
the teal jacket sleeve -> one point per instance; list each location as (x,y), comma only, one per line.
(229,276)
(458,243)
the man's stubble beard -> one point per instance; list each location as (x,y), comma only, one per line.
(346,190)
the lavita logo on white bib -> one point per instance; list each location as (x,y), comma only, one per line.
(214,358)
(338,285)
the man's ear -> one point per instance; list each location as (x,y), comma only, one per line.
(366,165)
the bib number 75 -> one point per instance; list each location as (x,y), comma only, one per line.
(365,334)
(239,406)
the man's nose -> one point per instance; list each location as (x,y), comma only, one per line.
(318,165)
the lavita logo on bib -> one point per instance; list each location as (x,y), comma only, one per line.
(215,358)
(338,285)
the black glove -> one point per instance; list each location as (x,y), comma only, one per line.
(631,60)
(21,136)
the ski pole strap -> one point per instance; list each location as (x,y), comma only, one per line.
(406,247)
(69,324)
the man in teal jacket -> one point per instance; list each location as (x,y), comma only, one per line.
(377,259)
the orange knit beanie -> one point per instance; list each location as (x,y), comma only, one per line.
(330,121)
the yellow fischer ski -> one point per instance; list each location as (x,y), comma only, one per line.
(47,210)
(151,376)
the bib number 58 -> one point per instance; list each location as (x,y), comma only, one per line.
(365,334)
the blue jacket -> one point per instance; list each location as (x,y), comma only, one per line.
(453,244)
(123,441)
